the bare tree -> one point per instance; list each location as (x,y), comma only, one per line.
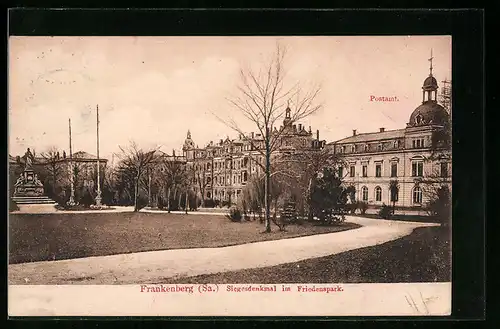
(299,170)
(134,163)
(394,191)
(177,178)
(262,99)
(53,166)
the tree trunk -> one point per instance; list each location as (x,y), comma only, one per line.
(187,202)
(136,194)
(179,202)
(54,181)
(267,189)
(309,203)
(168,200)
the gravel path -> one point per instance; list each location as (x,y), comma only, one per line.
(152,267)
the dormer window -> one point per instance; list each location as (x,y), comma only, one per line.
(419,119)
(353,148)
(379,147)
(366,148)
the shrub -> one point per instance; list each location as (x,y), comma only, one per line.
(141,202)
(352,207)
(362,206)
(174,204)
(160,203)
(385,211)
(234,215)
(209,203)
(440,205)
(87,200)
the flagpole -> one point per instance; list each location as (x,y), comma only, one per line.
(98,197)
(71,201)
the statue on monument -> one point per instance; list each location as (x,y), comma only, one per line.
(29,160)
(20,180)
(28,184)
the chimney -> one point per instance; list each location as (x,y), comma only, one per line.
(310,129)
(382,130)
(317,134)
(300,127)
(354,132)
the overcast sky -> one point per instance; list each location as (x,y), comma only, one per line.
(153,89)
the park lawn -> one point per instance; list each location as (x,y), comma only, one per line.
(423,256)
(44,237)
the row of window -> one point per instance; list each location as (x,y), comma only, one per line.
(236,179)
(366,147)
(218,165)
(416,143)
(416,194)
(417,170)
(223,194)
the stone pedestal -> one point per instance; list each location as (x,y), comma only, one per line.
(28,185)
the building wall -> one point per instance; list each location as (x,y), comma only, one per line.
(231,164)
(400,151)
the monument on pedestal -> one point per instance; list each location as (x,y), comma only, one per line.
(27,184)
(28,190)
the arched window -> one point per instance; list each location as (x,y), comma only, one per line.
(209,195)
(364,193)
(378,193)
(379,147)
(418,119)
(396,144)
(353,148)
(417,195)
(366,148)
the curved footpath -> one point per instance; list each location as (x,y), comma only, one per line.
(154,266)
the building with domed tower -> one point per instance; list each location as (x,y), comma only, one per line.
(409,155)
(221,170)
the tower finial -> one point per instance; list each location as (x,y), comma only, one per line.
(430,60)
(287,111)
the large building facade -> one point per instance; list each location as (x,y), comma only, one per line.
(409,155)
(220,171)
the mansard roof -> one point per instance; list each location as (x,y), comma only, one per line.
(372,137)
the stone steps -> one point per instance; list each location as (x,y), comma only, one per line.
(33,200)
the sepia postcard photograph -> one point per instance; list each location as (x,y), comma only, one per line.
(229,175)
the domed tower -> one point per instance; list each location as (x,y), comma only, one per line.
(188,147)
(288,120)
(430,86)
(429,112)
